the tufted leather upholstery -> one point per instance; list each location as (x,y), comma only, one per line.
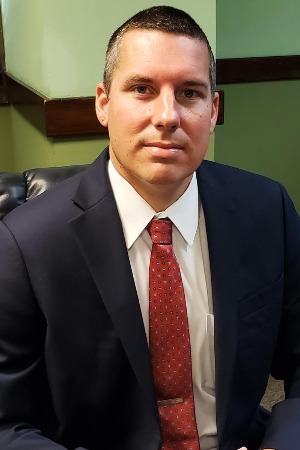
(17,188)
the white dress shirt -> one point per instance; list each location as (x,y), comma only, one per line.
(191,249)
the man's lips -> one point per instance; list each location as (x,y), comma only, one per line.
(164,150)
(164,145)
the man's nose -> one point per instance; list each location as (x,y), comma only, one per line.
(165,113)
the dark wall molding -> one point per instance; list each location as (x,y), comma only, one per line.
(249,70)
(3,94)
(64,117)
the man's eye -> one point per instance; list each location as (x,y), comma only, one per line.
(190,93)
(141,89)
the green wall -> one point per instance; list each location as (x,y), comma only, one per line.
(258,28)
(260,133)
(32,149)
(57,48)
(6,147)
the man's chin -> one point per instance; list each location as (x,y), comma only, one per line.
(170,180)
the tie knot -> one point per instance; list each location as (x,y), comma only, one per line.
(160,231)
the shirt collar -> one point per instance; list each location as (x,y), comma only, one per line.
(136,213)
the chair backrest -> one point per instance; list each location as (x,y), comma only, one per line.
(17,188)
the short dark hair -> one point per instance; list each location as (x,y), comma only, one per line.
(158,18)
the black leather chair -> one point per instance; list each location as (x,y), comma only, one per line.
(17,188)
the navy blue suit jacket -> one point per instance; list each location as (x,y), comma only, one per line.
(75,371)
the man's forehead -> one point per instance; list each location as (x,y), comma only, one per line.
(136,44)
(155,50)
(144,33)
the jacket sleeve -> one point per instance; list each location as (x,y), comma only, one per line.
(24,396)
(283,431)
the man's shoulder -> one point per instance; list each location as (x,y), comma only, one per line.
(54,206)
(249,192)
(212,167)
(235,179)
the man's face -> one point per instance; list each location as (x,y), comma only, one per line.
(159,112)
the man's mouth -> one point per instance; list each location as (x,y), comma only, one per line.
(164,145)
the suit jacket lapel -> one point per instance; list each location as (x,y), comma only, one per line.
(221,217)
(99,234)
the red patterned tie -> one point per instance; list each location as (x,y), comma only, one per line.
(169,343)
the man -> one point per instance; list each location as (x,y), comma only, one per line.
(78,363)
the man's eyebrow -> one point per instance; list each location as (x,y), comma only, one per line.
(195,83)
(138,79)
(147,80)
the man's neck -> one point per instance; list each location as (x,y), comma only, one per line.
(160,197)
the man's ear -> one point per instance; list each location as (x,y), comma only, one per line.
(214,112)
(101,105)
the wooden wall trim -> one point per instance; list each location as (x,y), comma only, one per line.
(72,117)
(63,117)
(249,70)
(220,120)
(3,95)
